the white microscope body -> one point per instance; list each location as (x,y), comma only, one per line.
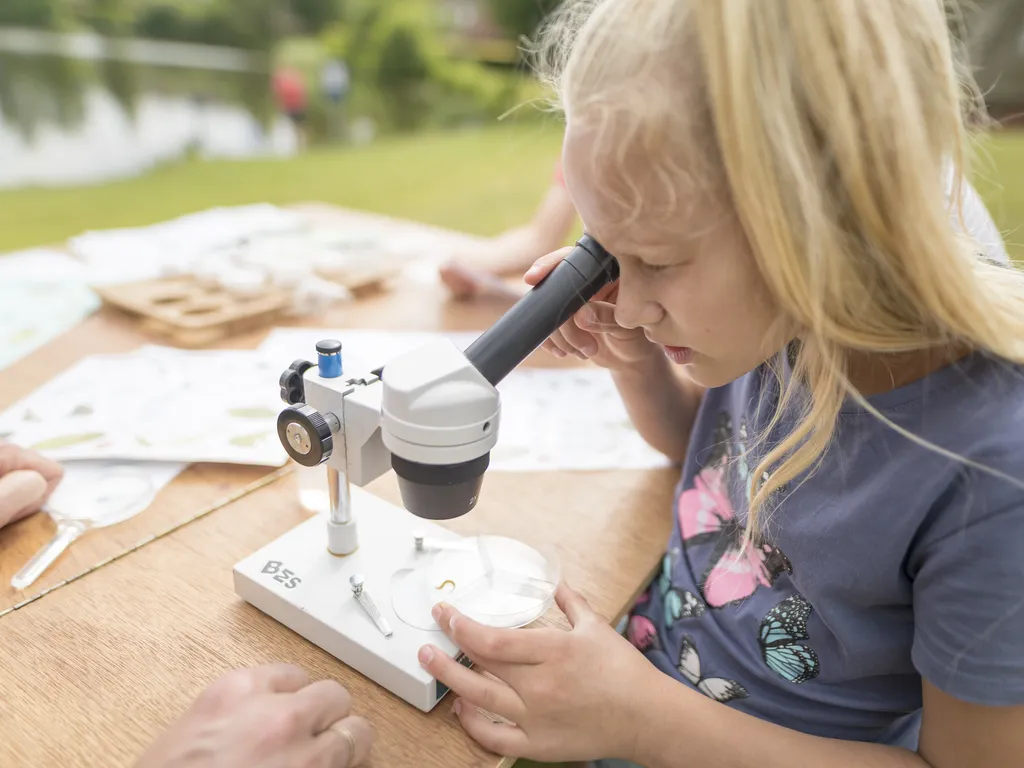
(329,579)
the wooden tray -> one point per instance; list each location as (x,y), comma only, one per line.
(187,313)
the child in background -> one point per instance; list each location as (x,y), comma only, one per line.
(293,100)
(479,274)
(838,369)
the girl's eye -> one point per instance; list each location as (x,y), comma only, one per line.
(646,267)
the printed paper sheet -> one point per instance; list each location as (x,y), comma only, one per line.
(156,404)
(34,311)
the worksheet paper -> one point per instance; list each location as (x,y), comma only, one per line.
(35,309)
(43,265)
(551,419)
(43,294)
(155,404)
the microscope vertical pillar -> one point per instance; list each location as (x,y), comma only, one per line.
(342,534)
(341,498)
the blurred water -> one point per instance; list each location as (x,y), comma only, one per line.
(107,143)
(77,109)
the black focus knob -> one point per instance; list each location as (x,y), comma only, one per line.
(305,435)
(293,391)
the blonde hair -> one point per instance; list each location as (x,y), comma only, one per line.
(837,131)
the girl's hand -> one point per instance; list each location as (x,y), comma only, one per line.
(573,695)
(592,333)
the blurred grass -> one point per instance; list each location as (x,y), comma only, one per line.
(479,181)
(999,177)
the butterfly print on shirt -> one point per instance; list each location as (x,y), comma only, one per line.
(718,688)
(738,567)
(780,634)
(678,603)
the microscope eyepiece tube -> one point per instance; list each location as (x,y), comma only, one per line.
(572,283)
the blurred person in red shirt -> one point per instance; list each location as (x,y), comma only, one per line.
(293,99)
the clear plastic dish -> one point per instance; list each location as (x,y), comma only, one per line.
(494,580)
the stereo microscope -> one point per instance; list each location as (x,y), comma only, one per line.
(360,581)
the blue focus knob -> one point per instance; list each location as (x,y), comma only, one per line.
(329,358)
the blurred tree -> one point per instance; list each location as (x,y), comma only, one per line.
(219,25)
(393,46)
(521,18)
(163,22)
(317,15)
(120,77)
(108,17)
(41,14)
(401,72)
(403,76)
(262,23)
(113,19)
(357,40)
(995,38)
(35,90)
(251,24)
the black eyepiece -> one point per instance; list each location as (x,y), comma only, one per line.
(576,280)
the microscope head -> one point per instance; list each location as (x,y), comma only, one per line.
(441,408)
(439,421)
(429,415)
(432,414)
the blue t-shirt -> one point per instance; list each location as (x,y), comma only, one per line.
(889,564)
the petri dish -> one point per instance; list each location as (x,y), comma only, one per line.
(494,580)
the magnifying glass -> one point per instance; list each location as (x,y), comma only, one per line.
(83,502)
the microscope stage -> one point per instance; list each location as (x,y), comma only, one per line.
(298,582)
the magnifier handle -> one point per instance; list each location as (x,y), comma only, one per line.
(45,557)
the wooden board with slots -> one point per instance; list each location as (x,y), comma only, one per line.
(189,313)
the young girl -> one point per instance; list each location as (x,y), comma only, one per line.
(803,321)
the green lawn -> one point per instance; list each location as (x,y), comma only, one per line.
(478,181)
(999,176)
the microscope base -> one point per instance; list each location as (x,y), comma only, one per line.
(298,582)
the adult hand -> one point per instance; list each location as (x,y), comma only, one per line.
(592,333)
(573,695)
(265,717)
(26,481)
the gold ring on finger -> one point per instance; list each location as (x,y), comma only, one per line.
(344,732)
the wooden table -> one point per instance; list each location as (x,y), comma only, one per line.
(134,621)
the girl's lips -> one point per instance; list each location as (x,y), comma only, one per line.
(678,355)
